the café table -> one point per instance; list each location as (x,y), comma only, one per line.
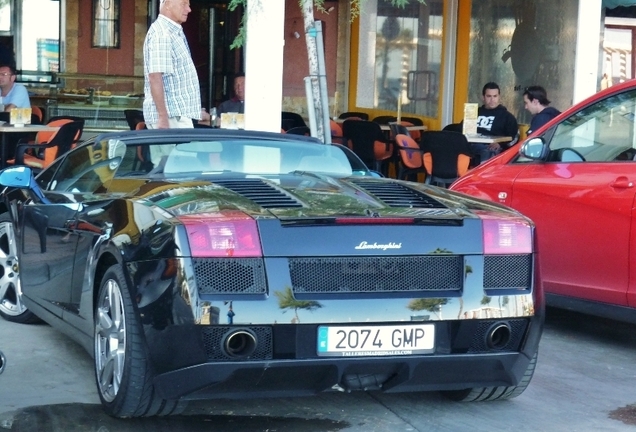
(486,139)
(6,129)
(386,127)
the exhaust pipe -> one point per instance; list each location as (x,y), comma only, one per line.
(239,343)
(3,362)
(498,335)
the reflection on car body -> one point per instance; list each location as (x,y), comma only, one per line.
(244,264)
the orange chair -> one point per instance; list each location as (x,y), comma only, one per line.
(46,152)
(336,133)
(416,135)
(411,161)
(37,111)
(446,156)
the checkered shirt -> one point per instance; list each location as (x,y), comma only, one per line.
(166,50)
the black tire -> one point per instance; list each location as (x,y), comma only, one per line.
(122,371)
(11,306)
(494,393)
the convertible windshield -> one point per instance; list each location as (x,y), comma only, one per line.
(258,157)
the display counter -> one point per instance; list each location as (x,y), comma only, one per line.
(100,99)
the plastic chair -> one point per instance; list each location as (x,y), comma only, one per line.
(446,156)
(416,135)
(336,133)
(411,161)
(133,116)
(384,119)
(291,120)
(415,121)
(37,111)
(368,142)
(453,127)
(349,114)
(299,130)
(61,142)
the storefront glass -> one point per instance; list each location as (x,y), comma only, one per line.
(40,36)
(400,54)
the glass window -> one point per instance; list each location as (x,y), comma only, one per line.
(602,132)
(400,52)
(5,16)
(40,36)
(106,23)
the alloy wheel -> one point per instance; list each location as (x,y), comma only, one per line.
(110,340)
(10,291)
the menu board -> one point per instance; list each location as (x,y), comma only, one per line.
(470,118)
(20,116)
(232,120)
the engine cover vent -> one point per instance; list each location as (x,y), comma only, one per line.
(261,192)
(397,195)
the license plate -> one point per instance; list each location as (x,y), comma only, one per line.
(376,340)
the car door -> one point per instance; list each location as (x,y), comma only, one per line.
(582,201)
(46,250)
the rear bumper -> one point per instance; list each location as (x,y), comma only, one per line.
(288,378)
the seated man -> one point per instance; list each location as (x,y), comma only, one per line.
(237,103)
(14,95)
(495,120)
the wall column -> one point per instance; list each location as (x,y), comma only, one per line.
(264,64)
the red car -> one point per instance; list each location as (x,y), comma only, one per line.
(576,179)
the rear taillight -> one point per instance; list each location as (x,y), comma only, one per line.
(506,235)
(223,234)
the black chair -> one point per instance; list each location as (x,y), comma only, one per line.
(133,116)
(291,120)
(415,121)
(384,119)
(446,156)
(368,141)
(299,130)
(350,114)
(454,127)
(398,128)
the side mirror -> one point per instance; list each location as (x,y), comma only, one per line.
(16,177)
(21,177)
(534,149)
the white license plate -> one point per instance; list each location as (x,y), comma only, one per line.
(376,340)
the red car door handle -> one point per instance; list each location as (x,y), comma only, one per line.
(622,183)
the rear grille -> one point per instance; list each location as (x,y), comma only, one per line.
(262,193)
(230,275)
(507,271)
(377,274)
(214,337)
(397,195)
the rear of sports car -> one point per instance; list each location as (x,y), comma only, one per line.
(310,285)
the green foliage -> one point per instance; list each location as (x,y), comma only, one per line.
(239,40)
(286,300)
(427,304)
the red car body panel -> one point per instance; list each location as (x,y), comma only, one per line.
(583,211)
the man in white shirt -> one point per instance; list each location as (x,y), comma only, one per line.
(14,95)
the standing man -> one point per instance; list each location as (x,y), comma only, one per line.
(237,103)
(535,100)
(14,95)
(495,120)
(171,86)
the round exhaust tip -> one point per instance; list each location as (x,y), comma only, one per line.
(498,335)
(239,343)
(3,362)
